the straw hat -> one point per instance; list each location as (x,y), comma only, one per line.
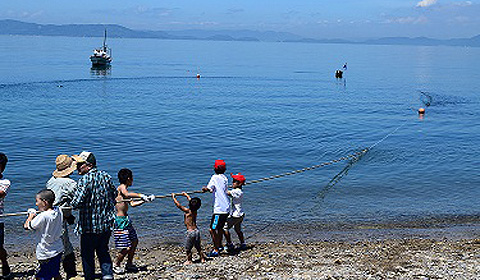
(65,166)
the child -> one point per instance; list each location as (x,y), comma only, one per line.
(237,215)
(48,225)
(4,186)
(124,233)
(221,204)
(190,220)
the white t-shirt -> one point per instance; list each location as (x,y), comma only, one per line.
(237,199)
(219,185)
(48,227)
(4,186)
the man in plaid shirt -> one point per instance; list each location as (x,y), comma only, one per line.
(95,200)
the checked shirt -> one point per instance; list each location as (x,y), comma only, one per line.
(95,200)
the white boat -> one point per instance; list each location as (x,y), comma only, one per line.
(102,57)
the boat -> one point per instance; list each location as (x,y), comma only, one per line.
(102,57)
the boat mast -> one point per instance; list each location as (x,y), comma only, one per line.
(105,41)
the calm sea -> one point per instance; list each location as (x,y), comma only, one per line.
(266,109)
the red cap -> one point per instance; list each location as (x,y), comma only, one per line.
(238,177)
(219,163)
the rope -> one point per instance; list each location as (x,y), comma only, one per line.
(247,183)
(351,156)
(344,172)
(355,155)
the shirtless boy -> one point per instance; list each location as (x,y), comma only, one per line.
(124,233)
(190,220)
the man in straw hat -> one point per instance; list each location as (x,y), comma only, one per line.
(63,187)
(95,200)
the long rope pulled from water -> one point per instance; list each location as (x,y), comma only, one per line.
(293,172)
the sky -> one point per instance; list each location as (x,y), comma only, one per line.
(346,19)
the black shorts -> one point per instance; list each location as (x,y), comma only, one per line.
(218,221)
(2,234)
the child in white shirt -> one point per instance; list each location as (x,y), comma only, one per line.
(218,185)
(48,226)
(237,215)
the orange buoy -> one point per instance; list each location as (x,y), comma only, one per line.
(421,111)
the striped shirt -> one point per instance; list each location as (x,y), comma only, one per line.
(95,200)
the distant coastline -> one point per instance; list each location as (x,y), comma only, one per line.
(14,27)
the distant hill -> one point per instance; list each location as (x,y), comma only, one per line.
(14,27)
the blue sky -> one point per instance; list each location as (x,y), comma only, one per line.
(348,19)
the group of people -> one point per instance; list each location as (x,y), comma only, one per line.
(103,210)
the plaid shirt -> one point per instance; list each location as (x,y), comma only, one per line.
(95,200)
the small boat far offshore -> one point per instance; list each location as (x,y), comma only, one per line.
(102,57)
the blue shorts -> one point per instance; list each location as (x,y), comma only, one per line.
(49,268)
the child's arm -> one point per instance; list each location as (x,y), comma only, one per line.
(31,215)
(122,189)
(183,208)
(135,203)
(186,195)
(126,194)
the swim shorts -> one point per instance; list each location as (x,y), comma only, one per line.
(233,222)
(192,239)
(218,221)
(123,237)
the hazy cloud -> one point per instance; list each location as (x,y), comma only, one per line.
(426,3)
(463,4)
(235,11)
(142,10)
(23,14)
(408,20)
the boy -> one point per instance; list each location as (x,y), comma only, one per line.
(124,233)
(237,215)
(48,225)
(4,186)
(218,185)
(190,220)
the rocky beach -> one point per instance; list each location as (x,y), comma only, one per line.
(393,254)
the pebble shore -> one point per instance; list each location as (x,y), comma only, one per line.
(385,259)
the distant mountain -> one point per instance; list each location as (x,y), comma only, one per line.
(267,36)
(14,27)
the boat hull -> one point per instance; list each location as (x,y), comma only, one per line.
(100,60)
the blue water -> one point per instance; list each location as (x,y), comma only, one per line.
(265,108)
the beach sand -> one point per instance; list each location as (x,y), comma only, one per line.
(375,257)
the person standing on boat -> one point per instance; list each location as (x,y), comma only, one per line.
(63,187)
(95,200)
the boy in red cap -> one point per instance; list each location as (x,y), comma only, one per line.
(237,215)
(218,185)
